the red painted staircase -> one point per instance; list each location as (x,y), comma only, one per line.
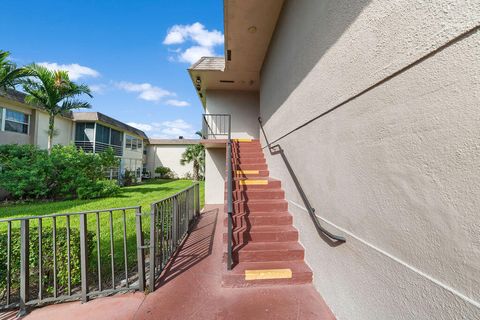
(265,244)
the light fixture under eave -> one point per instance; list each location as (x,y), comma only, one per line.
(252,29)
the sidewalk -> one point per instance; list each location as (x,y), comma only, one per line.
(191,289)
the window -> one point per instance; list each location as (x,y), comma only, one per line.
(116,137)
(84,131)
(102,134)
(133,143)
(14,121)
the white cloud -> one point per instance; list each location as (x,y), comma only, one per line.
(195,32)
(177,103)
(141,126)
(204,42)
(97,88)
(167,129)
(146,91)
(194,53)
(75,71)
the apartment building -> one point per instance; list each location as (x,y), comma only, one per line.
(369,133)
(22,123)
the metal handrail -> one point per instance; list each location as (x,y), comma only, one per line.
(277,149)
(216,124)
(229,198)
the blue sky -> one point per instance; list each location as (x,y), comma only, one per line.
(133,54)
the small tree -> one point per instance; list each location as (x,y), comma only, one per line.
(10,75)
(53,91)
(195,153)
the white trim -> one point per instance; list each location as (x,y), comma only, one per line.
(419,272)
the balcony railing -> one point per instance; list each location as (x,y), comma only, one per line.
(216,126)
(96,147)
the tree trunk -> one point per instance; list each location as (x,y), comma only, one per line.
(51,130)
(195,170)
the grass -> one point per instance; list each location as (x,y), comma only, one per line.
(143,195)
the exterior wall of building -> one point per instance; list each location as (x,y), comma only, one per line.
(7,137)
(389,159)
(215,167)
(63,126)
(242,105)
(168,155)
(132,159)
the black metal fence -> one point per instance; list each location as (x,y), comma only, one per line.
(170,221)
(82,255)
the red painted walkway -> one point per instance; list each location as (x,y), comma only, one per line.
(191,289)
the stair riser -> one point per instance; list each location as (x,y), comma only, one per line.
(258,194)
(263,256)
(245,236)
(270,185)
(249,161)
(247,155)
(238,281)
(242,220)
(282,205)
(250,166)
(242,176)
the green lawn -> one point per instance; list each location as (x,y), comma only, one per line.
(143,195)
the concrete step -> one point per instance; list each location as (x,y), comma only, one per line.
(247,155)
(254,194)
(250,173)
(259,233)
(260,219)
(253,184)
(269,205)
(267,274)
(250,166)
(269,251)
(258,160)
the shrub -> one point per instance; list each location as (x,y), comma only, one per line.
(47,258)
(129,178)
(27,172)
(98,189)
(165,172)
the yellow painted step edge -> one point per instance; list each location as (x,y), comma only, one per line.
(253,182)
(247,171)
(242,140)
(268,274)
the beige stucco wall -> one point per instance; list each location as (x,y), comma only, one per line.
(395,169)
(63,127)
(215,167)
(242,105)
(168,156)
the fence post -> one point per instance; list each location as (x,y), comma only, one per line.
(140,254)
(152,247)
(197,195)
(84,256)
(175,220)
(24,266)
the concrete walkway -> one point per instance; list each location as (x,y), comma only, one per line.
(191,289)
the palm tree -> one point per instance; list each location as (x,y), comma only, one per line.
(55,92)
(10,75)
(195,153)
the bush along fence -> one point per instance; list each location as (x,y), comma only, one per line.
(83,255)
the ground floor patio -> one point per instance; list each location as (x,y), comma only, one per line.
(191,289)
